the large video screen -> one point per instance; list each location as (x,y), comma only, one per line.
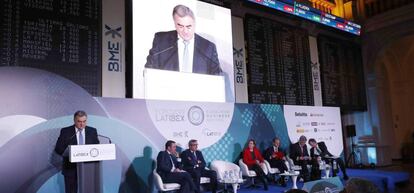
(183,56)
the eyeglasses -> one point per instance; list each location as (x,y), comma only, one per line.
(194,144)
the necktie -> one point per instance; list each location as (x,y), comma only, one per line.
(81,142)
(195,158)
(301,148)
(172,162)
(319,150)
(186,58)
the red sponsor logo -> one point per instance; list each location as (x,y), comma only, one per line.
(288,8)
(340,25)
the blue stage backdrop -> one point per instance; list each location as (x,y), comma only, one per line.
(36,104)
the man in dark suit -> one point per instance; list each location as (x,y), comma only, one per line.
(77,134)
(320,151)
(276,158)
(169,169)
(194,163)
(183,50)
(299,154)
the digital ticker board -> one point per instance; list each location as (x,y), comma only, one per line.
(310,13)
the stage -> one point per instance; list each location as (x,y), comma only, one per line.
(385,180)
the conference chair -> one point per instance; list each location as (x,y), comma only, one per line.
(169,187)
(293,167)
(223,168)
(250,174)
(272,171)
(164,187)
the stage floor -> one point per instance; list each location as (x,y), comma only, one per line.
(395,179)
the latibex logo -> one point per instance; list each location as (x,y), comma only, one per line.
(170,115)
(113,32)
(196,115)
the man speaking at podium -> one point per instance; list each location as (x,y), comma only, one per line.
(77,134)
(181,49)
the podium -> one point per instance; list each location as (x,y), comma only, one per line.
(88,159)
(183,86)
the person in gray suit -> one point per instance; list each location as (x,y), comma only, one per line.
(182,49)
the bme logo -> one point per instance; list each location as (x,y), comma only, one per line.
(114,49)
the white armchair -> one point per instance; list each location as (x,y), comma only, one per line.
(250,173)
(164,187)
(245,170)
(222,168)
(272,171)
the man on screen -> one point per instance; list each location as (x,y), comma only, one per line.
(77,134)
(181,49)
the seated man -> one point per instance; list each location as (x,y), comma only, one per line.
(168,169)
(320,151)
(299,154)
(276,158)
(193,163)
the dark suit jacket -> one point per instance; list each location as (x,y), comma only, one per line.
(295,151)
(189,160)
(164,164)
(164,54)
(269,152)
(67,137)
(323,148)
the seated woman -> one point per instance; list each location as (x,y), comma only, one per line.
(254,160)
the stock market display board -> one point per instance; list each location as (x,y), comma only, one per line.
(57,36)
(279,66)
(342,75)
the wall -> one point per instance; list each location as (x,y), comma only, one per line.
(387,52)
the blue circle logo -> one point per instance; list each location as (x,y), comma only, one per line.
(196,115)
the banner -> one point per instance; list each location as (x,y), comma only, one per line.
(239,57)
(320,123)
(316,78)
(113,48)
(32,116)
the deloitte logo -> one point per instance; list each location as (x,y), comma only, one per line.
(196,115)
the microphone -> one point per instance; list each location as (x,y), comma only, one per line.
(103,136)
(151,59)
(164,50)
(65,152)
(70,138)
